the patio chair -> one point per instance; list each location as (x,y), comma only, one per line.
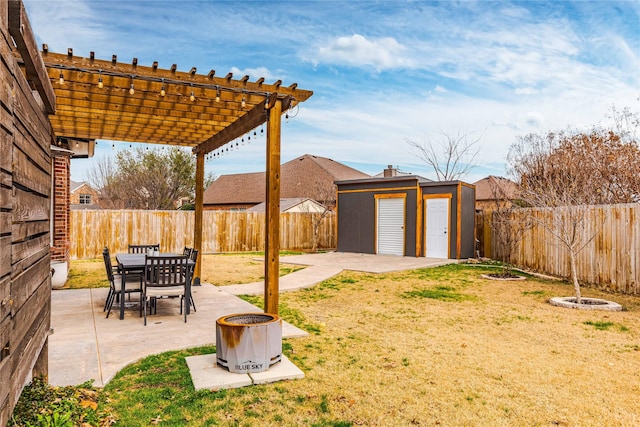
(166,276)
(133,283)
(143,249)
(193,257)
(187,251)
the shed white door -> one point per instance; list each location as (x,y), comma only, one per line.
(436,229)
(390,227)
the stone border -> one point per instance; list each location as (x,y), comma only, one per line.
(587,304)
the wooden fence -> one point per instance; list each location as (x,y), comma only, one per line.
(222,231)
(611,260)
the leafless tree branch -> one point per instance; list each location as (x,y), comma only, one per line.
(452,157)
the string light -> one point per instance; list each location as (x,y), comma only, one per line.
(61,79)
(162,91)
(192,97)
(131,89)
(100,84)
(217,94)
(243,103)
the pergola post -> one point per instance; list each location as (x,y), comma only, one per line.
(197,229)
(272,234)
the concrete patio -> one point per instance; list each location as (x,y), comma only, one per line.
(85,345)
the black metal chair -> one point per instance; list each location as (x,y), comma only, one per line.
(143,249)
(193,256)
(165,276)
(115,283)
(187,251)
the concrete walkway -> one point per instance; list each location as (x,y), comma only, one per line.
(85,345)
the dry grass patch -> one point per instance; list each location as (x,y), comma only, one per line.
(443,346)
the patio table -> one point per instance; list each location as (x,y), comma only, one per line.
(134,264)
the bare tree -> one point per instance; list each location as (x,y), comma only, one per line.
(326,197)
(507,225)
(452,157)
(566,172)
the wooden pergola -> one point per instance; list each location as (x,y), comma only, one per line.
(107,99)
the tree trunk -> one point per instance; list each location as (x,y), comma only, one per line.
(574,276)
(316,230)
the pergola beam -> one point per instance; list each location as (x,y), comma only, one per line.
(272,210)
(251,120)
(20,30)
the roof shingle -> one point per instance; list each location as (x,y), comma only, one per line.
(305,176)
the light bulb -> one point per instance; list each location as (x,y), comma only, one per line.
(243,103)
(61,80)
(162,91)
(100,84)
(131,90)
(217,94)
(192,97)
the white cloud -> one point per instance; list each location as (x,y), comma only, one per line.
(254,73)
(65,24)
(358,51)
(526,91)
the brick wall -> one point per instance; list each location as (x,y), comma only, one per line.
(61,208)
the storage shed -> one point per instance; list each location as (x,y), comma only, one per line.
(407,216)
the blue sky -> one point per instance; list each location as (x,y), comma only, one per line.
(382,72)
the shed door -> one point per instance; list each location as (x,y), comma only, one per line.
(390,227)
(437,228)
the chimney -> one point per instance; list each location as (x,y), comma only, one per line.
(390,171)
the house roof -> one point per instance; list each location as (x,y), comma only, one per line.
(75,186)
(285,204)
(487,188)
(307,176)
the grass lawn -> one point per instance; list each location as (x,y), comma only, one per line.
(439,346)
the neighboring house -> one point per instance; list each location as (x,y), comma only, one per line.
(297,204)
(83,196)
(308,176)
(494,191)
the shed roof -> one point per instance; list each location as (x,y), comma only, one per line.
(306,176)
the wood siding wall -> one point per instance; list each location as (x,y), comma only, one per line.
(25,186)
(611,260)
(223,231)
